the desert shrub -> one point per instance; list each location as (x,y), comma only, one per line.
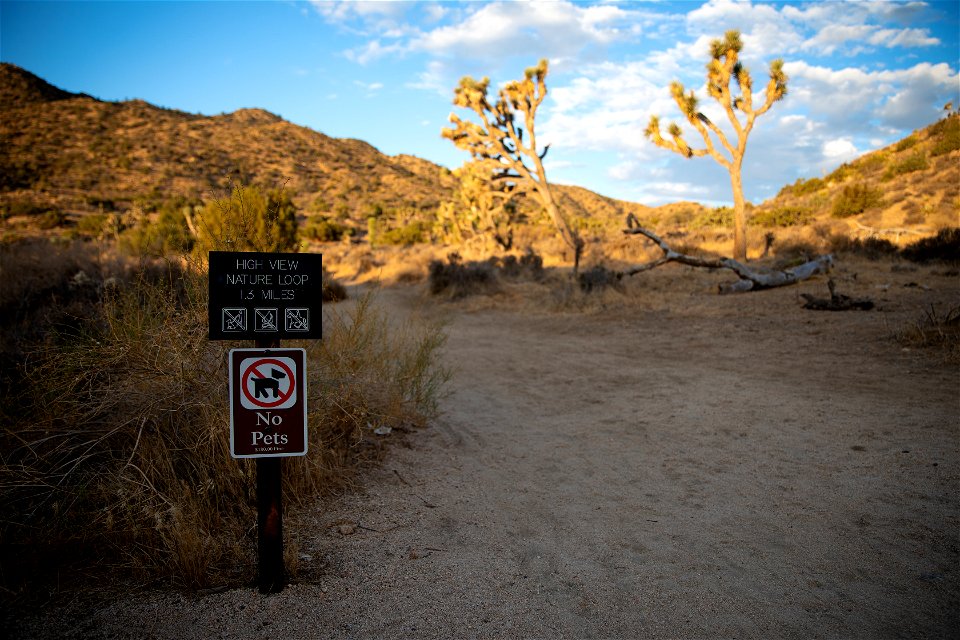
(322,229)
(678,218)
(457,279)
(791,254)
(412,233)
(528,266)
(947,134)
(854,199)
(914,162)
(92,224)
(167,235)
(781,217)
(873,162)
(943,247)
(869,248)
(721,217)
(23,208)
(840,174)
(599,278)
(251,219)
(907,143)
(320,204)
(802,187)
(51,219)
(333,290)
(119,453)
(101,202)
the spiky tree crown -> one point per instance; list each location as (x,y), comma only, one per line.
(723,67)
(498,138)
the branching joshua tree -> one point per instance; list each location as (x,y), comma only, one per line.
(498,140)
(724,66)
(487,205)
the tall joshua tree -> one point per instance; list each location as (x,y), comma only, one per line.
(724,66)
(498,140)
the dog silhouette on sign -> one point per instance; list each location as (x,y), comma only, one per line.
(272,384)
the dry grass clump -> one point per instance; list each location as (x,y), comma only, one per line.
(934,330)
(458,279)
(117,450)
(333,290)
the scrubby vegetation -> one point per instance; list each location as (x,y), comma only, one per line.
(854,199)
(114,448)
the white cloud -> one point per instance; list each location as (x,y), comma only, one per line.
(371,88)
(373,50)
(553,29)
(840,150)
(857,99)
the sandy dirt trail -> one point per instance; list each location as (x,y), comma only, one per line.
(739,473)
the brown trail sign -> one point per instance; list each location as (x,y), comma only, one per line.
(268,408)
(266,297)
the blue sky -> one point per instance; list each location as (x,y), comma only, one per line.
(862,74)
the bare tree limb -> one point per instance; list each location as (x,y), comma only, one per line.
(750,279)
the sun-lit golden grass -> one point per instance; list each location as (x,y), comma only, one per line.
(115,448)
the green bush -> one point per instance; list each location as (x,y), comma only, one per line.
(802,187)
(52,219)
(167,235)
(12,208)
(872,162)
(781,217)
(412,233)
(840,174)
(854,199)
(323,229)
(250,220)
(906,143)
(92,224)
(947,137)
(913,162)
(718,217)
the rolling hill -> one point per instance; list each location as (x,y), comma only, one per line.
(77,154)
(74,154)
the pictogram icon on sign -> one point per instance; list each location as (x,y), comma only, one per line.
(234,319)
(265,320)
(297,319)
(267,383)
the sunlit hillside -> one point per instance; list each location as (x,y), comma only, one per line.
(64,156)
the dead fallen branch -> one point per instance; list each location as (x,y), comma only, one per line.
(750,279)
(836,301)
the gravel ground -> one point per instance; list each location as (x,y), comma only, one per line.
(733,469)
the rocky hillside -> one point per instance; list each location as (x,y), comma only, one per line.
(75,154)
(71,154)
(908,188)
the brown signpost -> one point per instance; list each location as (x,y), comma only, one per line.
(266,296)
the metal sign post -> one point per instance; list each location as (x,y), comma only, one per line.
(271,574)
(266,297)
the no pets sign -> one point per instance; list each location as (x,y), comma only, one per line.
(268,408)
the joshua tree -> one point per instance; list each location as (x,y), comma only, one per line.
(723,67)
(483,206)
(498,140)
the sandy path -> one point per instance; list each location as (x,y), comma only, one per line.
(665,475)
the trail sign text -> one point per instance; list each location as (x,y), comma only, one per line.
(265,296)
(268,407)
